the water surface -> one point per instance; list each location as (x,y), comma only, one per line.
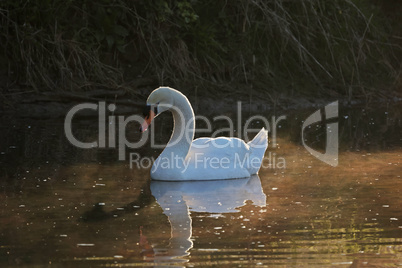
(66,206)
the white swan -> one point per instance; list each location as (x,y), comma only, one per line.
(203,158)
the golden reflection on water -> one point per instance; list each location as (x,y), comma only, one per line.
(95,213)
(314,215)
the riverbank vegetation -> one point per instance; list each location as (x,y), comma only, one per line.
(270,49)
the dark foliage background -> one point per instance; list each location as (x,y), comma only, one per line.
(269,48)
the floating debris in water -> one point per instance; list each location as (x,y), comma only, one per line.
(85,245)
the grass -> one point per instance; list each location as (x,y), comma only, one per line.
(262,48)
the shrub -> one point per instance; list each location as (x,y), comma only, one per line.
(267,47)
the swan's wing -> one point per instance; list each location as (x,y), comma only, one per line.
(217,157)
(218,147)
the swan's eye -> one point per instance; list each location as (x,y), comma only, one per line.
(147,109)
(156,108)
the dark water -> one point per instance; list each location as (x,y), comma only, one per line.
(67,206)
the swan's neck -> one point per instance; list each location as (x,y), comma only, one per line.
(183,129)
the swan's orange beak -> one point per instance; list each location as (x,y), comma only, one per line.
(147,121)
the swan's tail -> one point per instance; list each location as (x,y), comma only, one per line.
(258,146)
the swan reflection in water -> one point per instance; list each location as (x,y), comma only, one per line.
(178,199)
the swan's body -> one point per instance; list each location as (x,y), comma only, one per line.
(204,158)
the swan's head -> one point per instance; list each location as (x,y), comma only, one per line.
(160,100)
